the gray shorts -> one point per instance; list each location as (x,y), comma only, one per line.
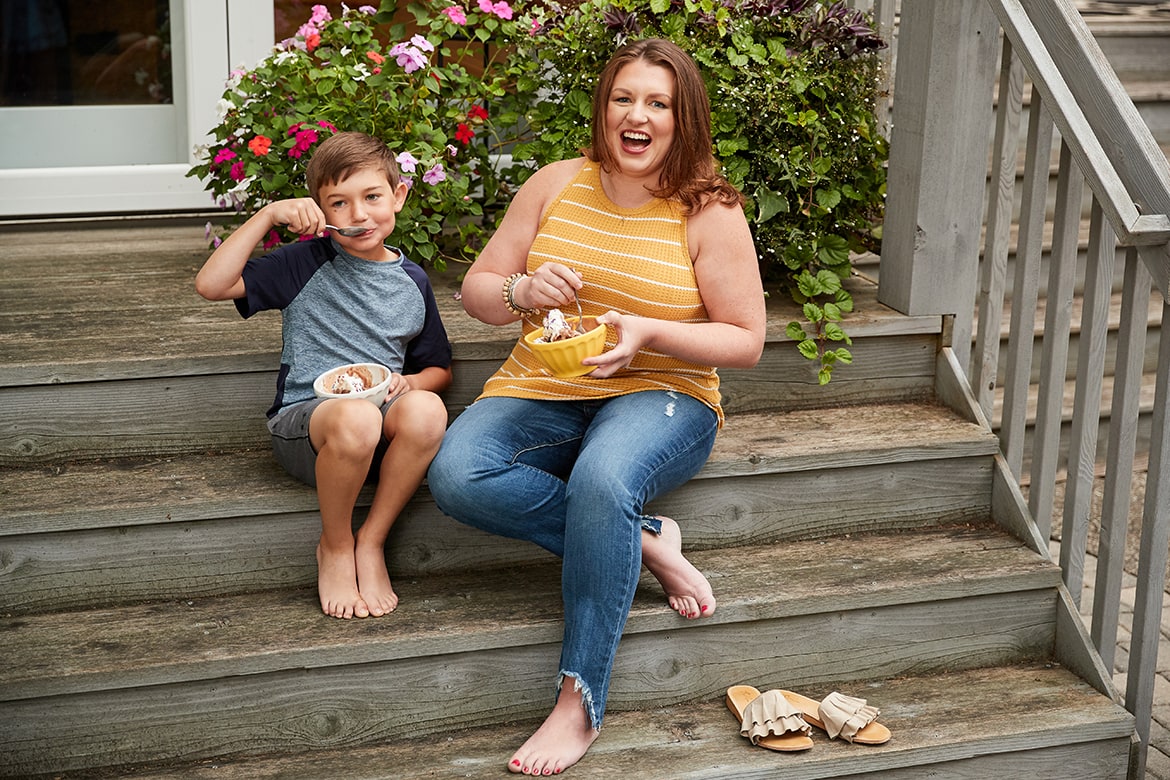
(294,451)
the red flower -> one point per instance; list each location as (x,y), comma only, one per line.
(464,134)
(312,41)
(259,145)
(477,112)
(377,58)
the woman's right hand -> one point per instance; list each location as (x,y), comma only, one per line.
(551,286)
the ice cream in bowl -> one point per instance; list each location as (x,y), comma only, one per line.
(564,342)
(354,380)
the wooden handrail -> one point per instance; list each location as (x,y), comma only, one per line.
(1131,178)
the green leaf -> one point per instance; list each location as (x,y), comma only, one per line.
(795,332)
(769,203)
(828,199)
(808,348)
(806,285)
(843,355)
(833,332)
(812,312)
(824,376)
(828,281)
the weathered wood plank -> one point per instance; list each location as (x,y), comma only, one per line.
(130,492)
(52,654)
(468,643)
(1074,736)
(257,551)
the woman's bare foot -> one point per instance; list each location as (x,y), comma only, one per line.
(373,580)
(337,584)
(687,590)
(561,740)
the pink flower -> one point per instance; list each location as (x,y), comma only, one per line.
(237,170)
(223,155)
(455,14)
(407,162)
(327,125)
(435,175)
(272,239)
(369,10)
(408,57)
(320,15)
(500,9)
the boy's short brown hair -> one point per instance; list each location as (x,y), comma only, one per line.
(340,155)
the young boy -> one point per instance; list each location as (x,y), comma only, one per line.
(345,300)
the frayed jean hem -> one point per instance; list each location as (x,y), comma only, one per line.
(579,686)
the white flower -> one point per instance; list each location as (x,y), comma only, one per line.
(222,107)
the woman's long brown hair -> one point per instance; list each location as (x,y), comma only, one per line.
(689,172)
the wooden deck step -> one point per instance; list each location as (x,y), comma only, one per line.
(83,534)
(267,672)
(1045,725)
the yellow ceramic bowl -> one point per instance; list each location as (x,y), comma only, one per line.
(563,358)
(379,374)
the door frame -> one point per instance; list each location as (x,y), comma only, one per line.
(208,38)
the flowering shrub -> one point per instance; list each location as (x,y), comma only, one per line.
(792,86)
(416,93)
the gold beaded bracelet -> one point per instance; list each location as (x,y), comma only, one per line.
(510,301)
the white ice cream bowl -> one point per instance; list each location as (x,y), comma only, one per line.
(378,373)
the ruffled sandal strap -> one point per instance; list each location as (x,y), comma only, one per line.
(770,714)
(844,716)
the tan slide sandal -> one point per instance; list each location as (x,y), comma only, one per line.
(768,719)
(842,716)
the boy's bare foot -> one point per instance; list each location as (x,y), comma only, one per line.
(374,581)
(337,584)
(561,740)
(687,590)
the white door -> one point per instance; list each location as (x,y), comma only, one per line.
(102,104)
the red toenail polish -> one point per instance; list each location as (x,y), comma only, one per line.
(704,608)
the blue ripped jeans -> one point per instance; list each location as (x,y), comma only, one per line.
(573,477)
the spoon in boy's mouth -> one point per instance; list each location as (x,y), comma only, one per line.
(348,232)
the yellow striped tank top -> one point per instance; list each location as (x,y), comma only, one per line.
(634,261)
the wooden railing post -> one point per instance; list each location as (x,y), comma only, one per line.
(947,61)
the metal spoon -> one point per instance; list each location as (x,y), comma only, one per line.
(580,317)
(348,232)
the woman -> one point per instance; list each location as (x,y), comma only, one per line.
(654,243)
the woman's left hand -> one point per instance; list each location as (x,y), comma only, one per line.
(632,334)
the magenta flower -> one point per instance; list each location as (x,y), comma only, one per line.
(502,10)
(435,175)
(455,14)
(237,170)
(305,139)
(485,6)
(223,155)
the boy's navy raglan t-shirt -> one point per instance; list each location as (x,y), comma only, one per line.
(337,308)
